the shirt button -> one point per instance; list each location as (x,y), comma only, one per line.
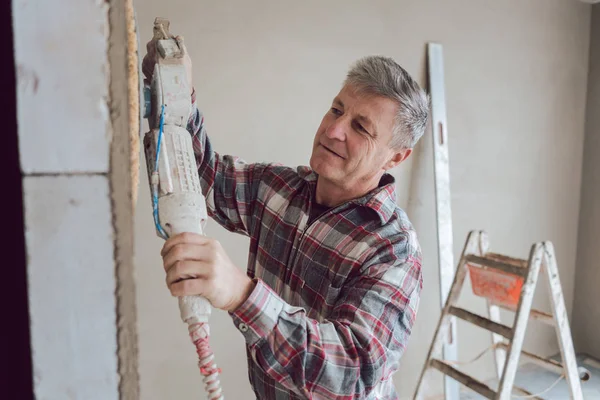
(243,327)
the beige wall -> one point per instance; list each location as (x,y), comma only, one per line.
(586,314)
(266,72)
(73,154)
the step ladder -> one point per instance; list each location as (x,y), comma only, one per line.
(507,283)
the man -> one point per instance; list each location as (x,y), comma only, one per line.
(334,272)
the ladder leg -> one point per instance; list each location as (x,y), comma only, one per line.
(499,352)
(520,325)
(443,326)
(563,331)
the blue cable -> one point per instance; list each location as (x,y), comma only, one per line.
(159,227)
(160,133)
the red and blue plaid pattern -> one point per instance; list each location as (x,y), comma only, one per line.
(336,299)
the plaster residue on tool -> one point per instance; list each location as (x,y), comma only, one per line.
(177,201)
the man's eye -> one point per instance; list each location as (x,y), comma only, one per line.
(361,128)
(336,111)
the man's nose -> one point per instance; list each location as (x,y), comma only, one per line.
(337,130)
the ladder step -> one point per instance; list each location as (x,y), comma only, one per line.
(482,322)
(502,264)
(463,378)
(517,262)
(549,364)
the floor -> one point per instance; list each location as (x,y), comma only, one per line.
(535,379)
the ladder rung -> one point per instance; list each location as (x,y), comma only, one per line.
(517,262)
(463,378)
(542,317)
(549,364)
(482,322)
(538,315)
(509,268)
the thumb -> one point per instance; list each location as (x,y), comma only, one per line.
(181,44)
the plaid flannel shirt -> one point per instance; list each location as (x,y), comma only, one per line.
(335,300)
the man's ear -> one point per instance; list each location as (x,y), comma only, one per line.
(397,158)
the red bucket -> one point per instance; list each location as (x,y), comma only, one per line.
(497,286)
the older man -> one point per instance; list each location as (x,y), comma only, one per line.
(333,279)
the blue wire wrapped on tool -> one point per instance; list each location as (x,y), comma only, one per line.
(159,227)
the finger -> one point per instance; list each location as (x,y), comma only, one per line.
(151,46)
(147,69)
(187,238)
(148,63)
(181,43)
(190,287)
(185,270)
(184,252)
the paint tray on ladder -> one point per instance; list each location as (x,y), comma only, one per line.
(499,287)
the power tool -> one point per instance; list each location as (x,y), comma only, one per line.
(178,204)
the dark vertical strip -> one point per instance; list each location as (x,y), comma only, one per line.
(15,343)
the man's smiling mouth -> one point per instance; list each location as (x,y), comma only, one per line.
(331,151)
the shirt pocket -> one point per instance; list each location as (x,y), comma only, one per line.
(319,290)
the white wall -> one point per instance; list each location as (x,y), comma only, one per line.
(64,143)
(74,156)
(266,71)
(586,313)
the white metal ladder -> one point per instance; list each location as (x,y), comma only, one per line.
(507,353)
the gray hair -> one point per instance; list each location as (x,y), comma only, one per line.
(382,76)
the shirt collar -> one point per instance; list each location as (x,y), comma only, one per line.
(382,199)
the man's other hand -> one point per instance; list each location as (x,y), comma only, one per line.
(198,265)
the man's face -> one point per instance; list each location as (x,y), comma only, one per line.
(351,147)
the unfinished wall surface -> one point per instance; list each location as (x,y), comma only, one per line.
(586,313)
(266,71)
(72,115)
